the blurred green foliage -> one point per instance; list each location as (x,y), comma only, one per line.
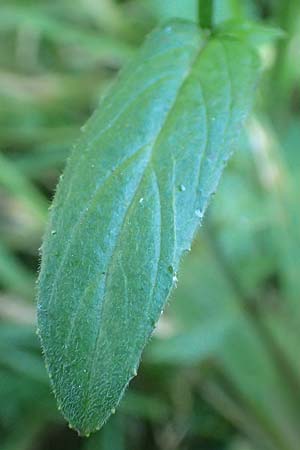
(222,370)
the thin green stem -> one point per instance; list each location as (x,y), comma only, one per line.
(205,11)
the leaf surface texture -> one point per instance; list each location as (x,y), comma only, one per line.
(127,208)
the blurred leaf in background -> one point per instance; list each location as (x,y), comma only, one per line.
(222,370)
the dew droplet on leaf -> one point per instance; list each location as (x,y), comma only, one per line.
(199,213)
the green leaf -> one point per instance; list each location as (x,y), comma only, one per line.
(106,48)
(127,209)
(17,184)
(254,34)
(13,274)
(190,347)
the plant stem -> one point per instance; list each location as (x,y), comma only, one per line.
(205,12)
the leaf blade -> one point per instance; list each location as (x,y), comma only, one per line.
(128,208)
